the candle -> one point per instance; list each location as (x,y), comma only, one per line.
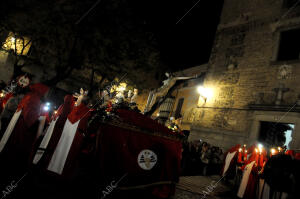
(245,155)
(256,156)
(261,160)
(279,149)
(273,151)
(240,155)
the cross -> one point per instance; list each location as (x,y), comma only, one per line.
(279,93)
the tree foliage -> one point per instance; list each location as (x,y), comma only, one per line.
(111,39)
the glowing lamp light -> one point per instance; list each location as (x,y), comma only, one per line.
(1,95)
(157,114)
(256,150)
(246,151)
(240,149)
(205,93)
(47,106)
(55,112)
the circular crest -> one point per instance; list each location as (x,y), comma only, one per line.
(147,159)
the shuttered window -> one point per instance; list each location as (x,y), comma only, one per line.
(178,108)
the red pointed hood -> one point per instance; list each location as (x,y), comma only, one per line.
(297,156)
(66,107)
(235,148)
(39,89)
(78,112)
(31,102)
(290,152)
(251,149)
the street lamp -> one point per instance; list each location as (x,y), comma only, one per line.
(204,93)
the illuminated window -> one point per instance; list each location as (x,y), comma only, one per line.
(291,3)
(20,45)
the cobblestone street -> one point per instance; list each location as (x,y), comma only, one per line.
(200,187)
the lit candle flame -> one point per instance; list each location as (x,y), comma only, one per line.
(279,149)
(273,151)
(260,146)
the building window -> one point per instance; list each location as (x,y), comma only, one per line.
(178,108)
(289,46)
(185,84)
(290,3)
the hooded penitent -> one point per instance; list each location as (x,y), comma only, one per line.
(65,156)
(54,131)
(230,161)
(18,140)
(250,180)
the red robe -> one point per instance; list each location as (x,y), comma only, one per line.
(19,146)
(4,100)
(64,160)
(233,152)
(250,181)
(59,118)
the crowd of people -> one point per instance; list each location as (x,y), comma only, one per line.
(201,158)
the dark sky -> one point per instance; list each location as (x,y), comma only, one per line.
(187,43)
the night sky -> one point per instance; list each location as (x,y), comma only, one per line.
(187,43)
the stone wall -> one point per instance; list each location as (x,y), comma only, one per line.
(243,70)
(6,66)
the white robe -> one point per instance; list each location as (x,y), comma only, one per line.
(61,152)
(9,129)
(40,152)
(227,161)
(245,179)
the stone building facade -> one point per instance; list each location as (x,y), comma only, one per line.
(253,74)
